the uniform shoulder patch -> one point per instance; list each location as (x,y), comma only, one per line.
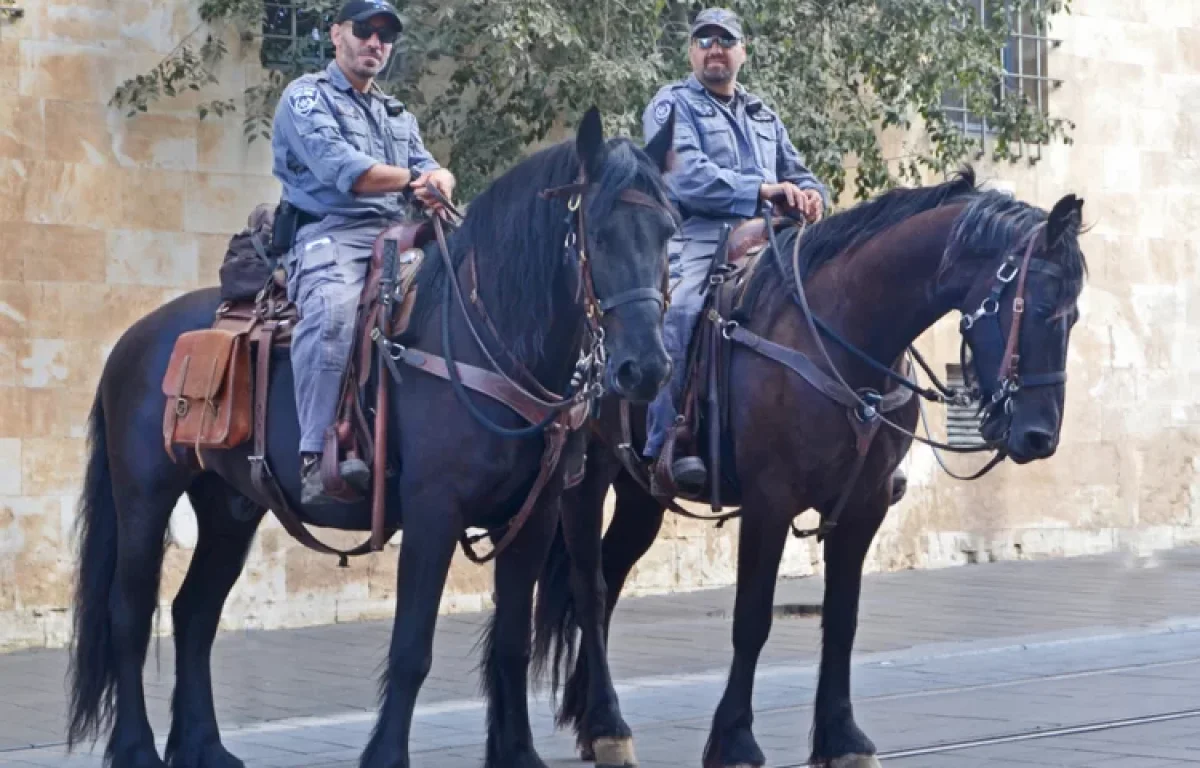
(661,111)
(303,99)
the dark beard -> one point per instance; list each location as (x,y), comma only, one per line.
(716,78)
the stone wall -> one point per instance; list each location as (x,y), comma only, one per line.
(104,218)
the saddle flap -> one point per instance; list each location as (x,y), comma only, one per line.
(199,364)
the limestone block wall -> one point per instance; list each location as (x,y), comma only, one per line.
(102,218)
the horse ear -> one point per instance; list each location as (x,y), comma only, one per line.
(589,142)
(1065,218)
(660,148)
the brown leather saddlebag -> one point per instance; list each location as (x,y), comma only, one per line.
(208,390)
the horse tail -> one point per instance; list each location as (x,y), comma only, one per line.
(555,626)
(92,671)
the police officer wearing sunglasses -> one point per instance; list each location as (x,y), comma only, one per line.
(346,155)
(731,152)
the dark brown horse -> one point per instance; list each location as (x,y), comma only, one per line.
(454,467)
(876,277)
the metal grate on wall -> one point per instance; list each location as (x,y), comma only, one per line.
(962,422)
(1025,60)
(296,38)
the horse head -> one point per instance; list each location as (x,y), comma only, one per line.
(1017,322)
(625,221)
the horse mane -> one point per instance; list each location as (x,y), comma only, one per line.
(842,232)
(518,239)
(996,223)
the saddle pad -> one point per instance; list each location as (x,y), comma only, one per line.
(207,387)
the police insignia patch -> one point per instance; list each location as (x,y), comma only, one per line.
(661,111)
(304,99)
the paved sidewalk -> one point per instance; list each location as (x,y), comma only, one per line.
(988,653)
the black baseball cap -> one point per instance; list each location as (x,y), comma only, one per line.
(361,10)
(720,18)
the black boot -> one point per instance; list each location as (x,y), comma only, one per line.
(312,489)
(690,475)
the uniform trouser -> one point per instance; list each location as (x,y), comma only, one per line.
(326,272)
(689,262)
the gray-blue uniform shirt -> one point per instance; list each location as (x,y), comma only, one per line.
(724,152)
(326,135)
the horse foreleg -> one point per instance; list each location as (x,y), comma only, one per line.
(837,740)
(764,531)
(507,654)
(601,732)
(637,519)
(431,529)
(221,548)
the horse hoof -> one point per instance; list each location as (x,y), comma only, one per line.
(614,753)
(137,757)
(586,753)
(855,761)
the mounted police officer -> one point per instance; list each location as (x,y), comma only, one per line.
(731,152)
(346,155)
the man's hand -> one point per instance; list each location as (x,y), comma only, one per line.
(814,206)
(805,201)
(441,180)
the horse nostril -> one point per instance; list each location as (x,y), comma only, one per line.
(1039,442)
(629,376)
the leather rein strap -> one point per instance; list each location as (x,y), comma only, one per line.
(866,407)
(557,416)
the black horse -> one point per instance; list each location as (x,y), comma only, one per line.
(452,473)
(876,276)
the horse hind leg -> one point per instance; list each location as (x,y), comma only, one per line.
(143,508)
(636,522)
(591,700)
(221,548)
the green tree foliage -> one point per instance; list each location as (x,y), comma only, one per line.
(841,73)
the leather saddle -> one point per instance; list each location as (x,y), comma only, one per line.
(215,403)
(704,405)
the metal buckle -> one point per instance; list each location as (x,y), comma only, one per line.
(1018,305)
(1007,277)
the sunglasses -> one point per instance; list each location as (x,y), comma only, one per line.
(387,34)
(708,42)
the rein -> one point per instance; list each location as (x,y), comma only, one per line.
(867,406)
(556,416)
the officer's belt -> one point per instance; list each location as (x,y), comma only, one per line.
(304,218)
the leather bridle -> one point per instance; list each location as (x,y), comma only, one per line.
(982,330)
